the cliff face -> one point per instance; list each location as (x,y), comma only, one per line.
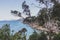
(48,26)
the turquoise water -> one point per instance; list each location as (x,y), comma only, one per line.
(16,26)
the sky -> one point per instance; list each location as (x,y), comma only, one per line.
(7,5)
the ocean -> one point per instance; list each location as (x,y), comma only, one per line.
(16,25)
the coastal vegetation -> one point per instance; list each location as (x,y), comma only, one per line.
(46,25)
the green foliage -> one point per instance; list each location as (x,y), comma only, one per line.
(42,36)
(5,32)
(56,10)
(42,18)
(17,36)
(36,36)
(20,35)
(25,8)
(33,36)
(57,37)
(16,13)
(29,19)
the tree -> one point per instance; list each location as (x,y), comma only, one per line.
(23,31)
(5,32)
(1,35)
(36,36)
(25,8)
(46,20)
(42,36)
(57,37)
(15,12)
(20,35)
(56,12)
(33,36)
